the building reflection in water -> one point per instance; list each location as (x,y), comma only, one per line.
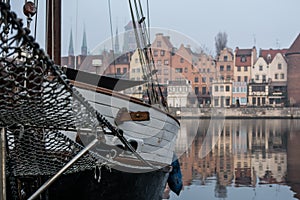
(247,153)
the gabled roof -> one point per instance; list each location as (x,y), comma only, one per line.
(166,39)
(295,48)
(243,52)
(269,54)
(163,39)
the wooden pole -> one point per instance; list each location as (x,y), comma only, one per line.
(2,165)
(53,30)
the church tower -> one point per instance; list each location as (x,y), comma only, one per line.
(71,57)
(117,44)
(71,46)
(84,44)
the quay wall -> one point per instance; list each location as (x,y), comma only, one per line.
(238,113)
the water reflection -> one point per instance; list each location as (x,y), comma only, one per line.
(252,159)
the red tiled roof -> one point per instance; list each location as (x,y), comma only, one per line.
(295,48)
(243,52)
(270,54)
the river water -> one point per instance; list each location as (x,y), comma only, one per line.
(239,159)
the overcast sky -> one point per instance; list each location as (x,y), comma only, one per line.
(263,23)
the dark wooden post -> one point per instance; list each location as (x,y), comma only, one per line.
(53,30)
(2,164)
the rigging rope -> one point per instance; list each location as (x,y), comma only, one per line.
(112,38)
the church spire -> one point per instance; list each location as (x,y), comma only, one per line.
(84,44)
(117,45)
(71,46)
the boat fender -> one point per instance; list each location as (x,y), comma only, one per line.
(175,177)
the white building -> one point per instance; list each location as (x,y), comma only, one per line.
(178,93)
(222,93)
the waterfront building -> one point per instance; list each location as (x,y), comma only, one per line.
(162,49)
(136,74)
(244,59)
(178,93)
(222,93)
(293,72)
(207,68)
(183,69)
(224,65)
(239,94)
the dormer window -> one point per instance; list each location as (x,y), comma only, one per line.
(225,58)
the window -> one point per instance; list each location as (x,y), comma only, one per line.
(124,70)
(136,60)
(118,70)
(257,77)
(258,88)
(239,79)
(196,90)
(225,58)
(222,88)
(203,90)
(253,101)
(246,79)
(245,69)
(227,101)
(203,70)
(222,77)
(238,68)
(263,100)
(228,68)
(216,102)
(279,66)
(243,59)
(221,68)
(227,88)
(178,70)
(203,79)
(166,62)
(162,52)
(159,63)
(158,43)
(185,70)
(282,76)
(181,60)
(216,88)
(208,70)
(166,71)
(260,67)
(228,77)
(264,78)
(196,79)
(276,76)
(155,53)
(211,79)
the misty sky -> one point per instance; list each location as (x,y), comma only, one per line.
(263,23)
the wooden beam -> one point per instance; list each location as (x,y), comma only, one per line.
(53,30)
(2,164)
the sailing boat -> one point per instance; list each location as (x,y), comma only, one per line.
(74,139)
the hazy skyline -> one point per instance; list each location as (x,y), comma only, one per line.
(264,24)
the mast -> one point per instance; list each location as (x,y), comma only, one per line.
(53,30)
